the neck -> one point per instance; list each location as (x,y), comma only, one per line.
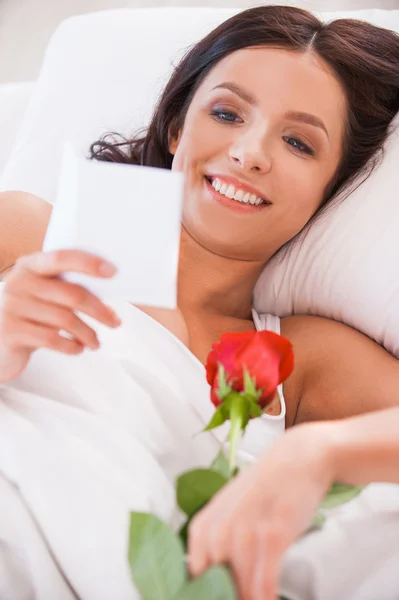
(213,284)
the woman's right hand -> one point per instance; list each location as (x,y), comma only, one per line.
(37,304)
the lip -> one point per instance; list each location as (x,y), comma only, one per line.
(233,204)
(239,184)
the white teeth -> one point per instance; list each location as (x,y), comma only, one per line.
(231,192)
(239,195)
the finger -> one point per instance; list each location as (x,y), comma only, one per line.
(219,540)
(264,580)
(65,294)
(267,563)
(56,263)
(206,533)
(57,318)
(243,555)
(39,336)
(198,557)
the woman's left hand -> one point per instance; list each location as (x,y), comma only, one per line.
(253,520)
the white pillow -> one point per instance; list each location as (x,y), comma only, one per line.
(345,265)
(103,72)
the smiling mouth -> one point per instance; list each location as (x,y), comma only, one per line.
(238,194)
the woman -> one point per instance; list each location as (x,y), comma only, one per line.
(270,114)
(265,121)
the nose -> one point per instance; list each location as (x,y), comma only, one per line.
(249,153)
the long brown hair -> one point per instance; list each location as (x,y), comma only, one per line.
(365,59)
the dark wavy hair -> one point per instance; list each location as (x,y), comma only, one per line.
(364,58)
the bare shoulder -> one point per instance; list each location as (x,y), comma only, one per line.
(23,223)
(338,370)
(309,332)
(317,338)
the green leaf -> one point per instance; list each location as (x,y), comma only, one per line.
(215,584)
(221,465)
(340,493)
(156,558)
(183,533)
(195,488)
(220,415)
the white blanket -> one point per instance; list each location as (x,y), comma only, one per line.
(84,440)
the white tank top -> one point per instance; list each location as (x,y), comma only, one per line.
(261,432)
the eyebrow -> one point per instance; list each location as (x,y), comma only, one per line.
(304,117)
(295,115)
(236,89)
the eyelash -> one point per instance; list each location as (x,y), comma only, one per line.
(300,146)
(297,145)
(217,113)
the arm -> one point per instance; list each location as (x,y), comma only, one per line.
(366,448)
(339,372)
(253,520)
(23,223)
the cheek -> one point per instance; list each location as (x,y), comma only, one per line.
(177,163)
(301,184)
(200,142)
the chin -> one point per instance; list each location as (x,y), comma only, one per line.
(221,241)
(222,231)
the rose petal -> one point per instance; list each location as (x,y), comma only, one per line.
(224,352)
(267,356)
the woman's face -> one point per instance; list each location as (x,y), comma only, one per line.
(266,127)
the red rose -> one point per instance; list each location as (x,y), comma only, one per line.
(266,356)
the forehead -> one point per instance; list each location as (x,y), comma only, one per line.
(282,79)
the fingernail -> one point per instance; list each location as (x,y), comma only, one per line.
(115,319)
(107,269)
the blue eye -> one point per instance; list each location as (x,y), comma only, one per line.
(227,116)
(298,145)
